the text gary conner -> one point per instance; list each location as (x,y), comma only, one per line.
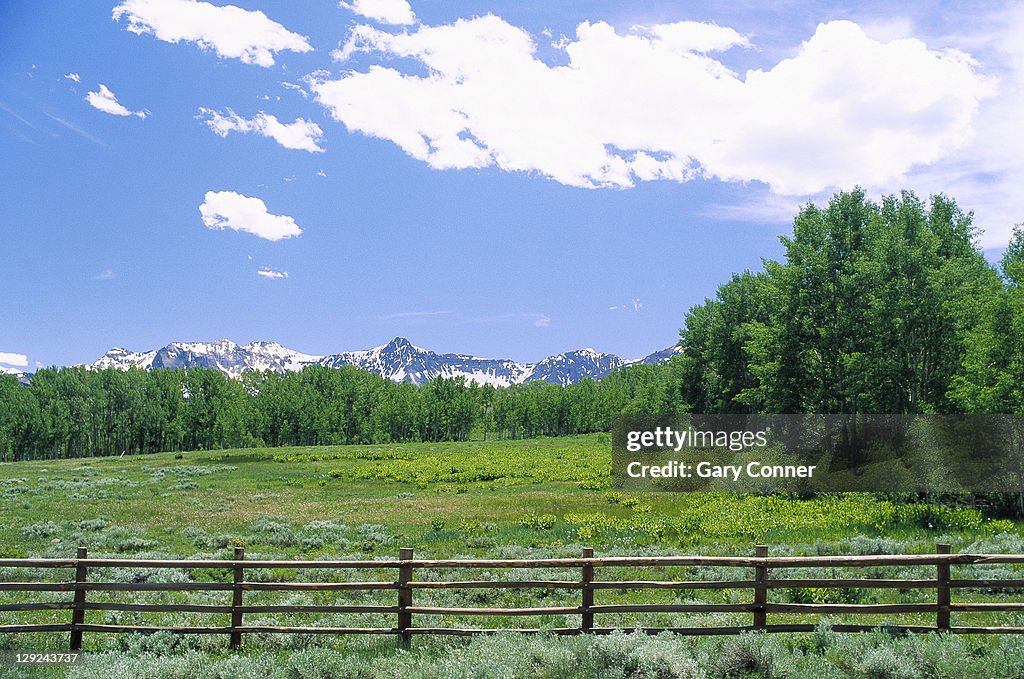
(707,470)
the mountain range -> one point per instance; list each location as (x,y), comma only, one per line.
(398,360)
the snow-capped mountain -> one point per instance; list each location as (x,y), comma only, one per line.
(657,357)
(574,366)
(230,358)
(21,376)
(124,359)
(398,360)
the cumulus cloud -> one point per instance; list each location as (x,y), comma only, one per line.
(230,31)
(985,175)
(105,275)
(72,76)
(397,12)
(302,134)
(104,100)
(656,102)
(267,272)
(20,360)
(230,210)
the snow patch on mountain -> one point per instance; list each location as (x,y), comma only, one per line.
(399,360)
(21,376)
(121,358)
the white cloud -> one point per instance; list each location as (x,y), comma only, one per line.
(228,30)
(73,76)
(397,12)
(691,36)
(105,275)
(267,272)
(295,88)
(20,360)
(634,305)
(760,207)
(104,100)
(230,210)
(302,134)
(652,104)
(888,28)
(76,129)
(985,175)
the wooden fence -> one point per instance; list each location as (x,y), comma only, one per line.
(405,585)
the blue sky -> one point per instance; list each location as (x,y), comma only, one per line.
(507,179)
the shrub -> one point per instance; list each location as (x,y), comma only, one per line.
(93,524)
(42,529)
(275,533)
(538,521)
(887,661)
(749,654)
(316,534)
(469,525)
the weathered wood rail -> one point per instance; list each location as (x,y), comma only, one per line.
(404,585)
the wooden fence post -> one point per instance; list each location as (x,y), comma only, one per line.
(942,599)
(78,612)
(760,589)
(404,597)
(587,619)
(236,599)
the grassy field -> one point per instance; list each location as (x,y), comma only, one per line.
(545,497)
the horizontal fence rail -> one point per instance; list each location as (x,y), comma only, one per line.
(404,585)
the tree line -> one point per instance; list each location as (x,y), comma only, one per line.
(82,412)
(877,307)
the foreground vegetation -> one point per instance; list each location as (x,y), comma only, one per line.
(821,655)
(543,497)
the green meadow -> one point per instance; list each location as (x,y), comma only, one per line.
(515,499)
(443,499)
